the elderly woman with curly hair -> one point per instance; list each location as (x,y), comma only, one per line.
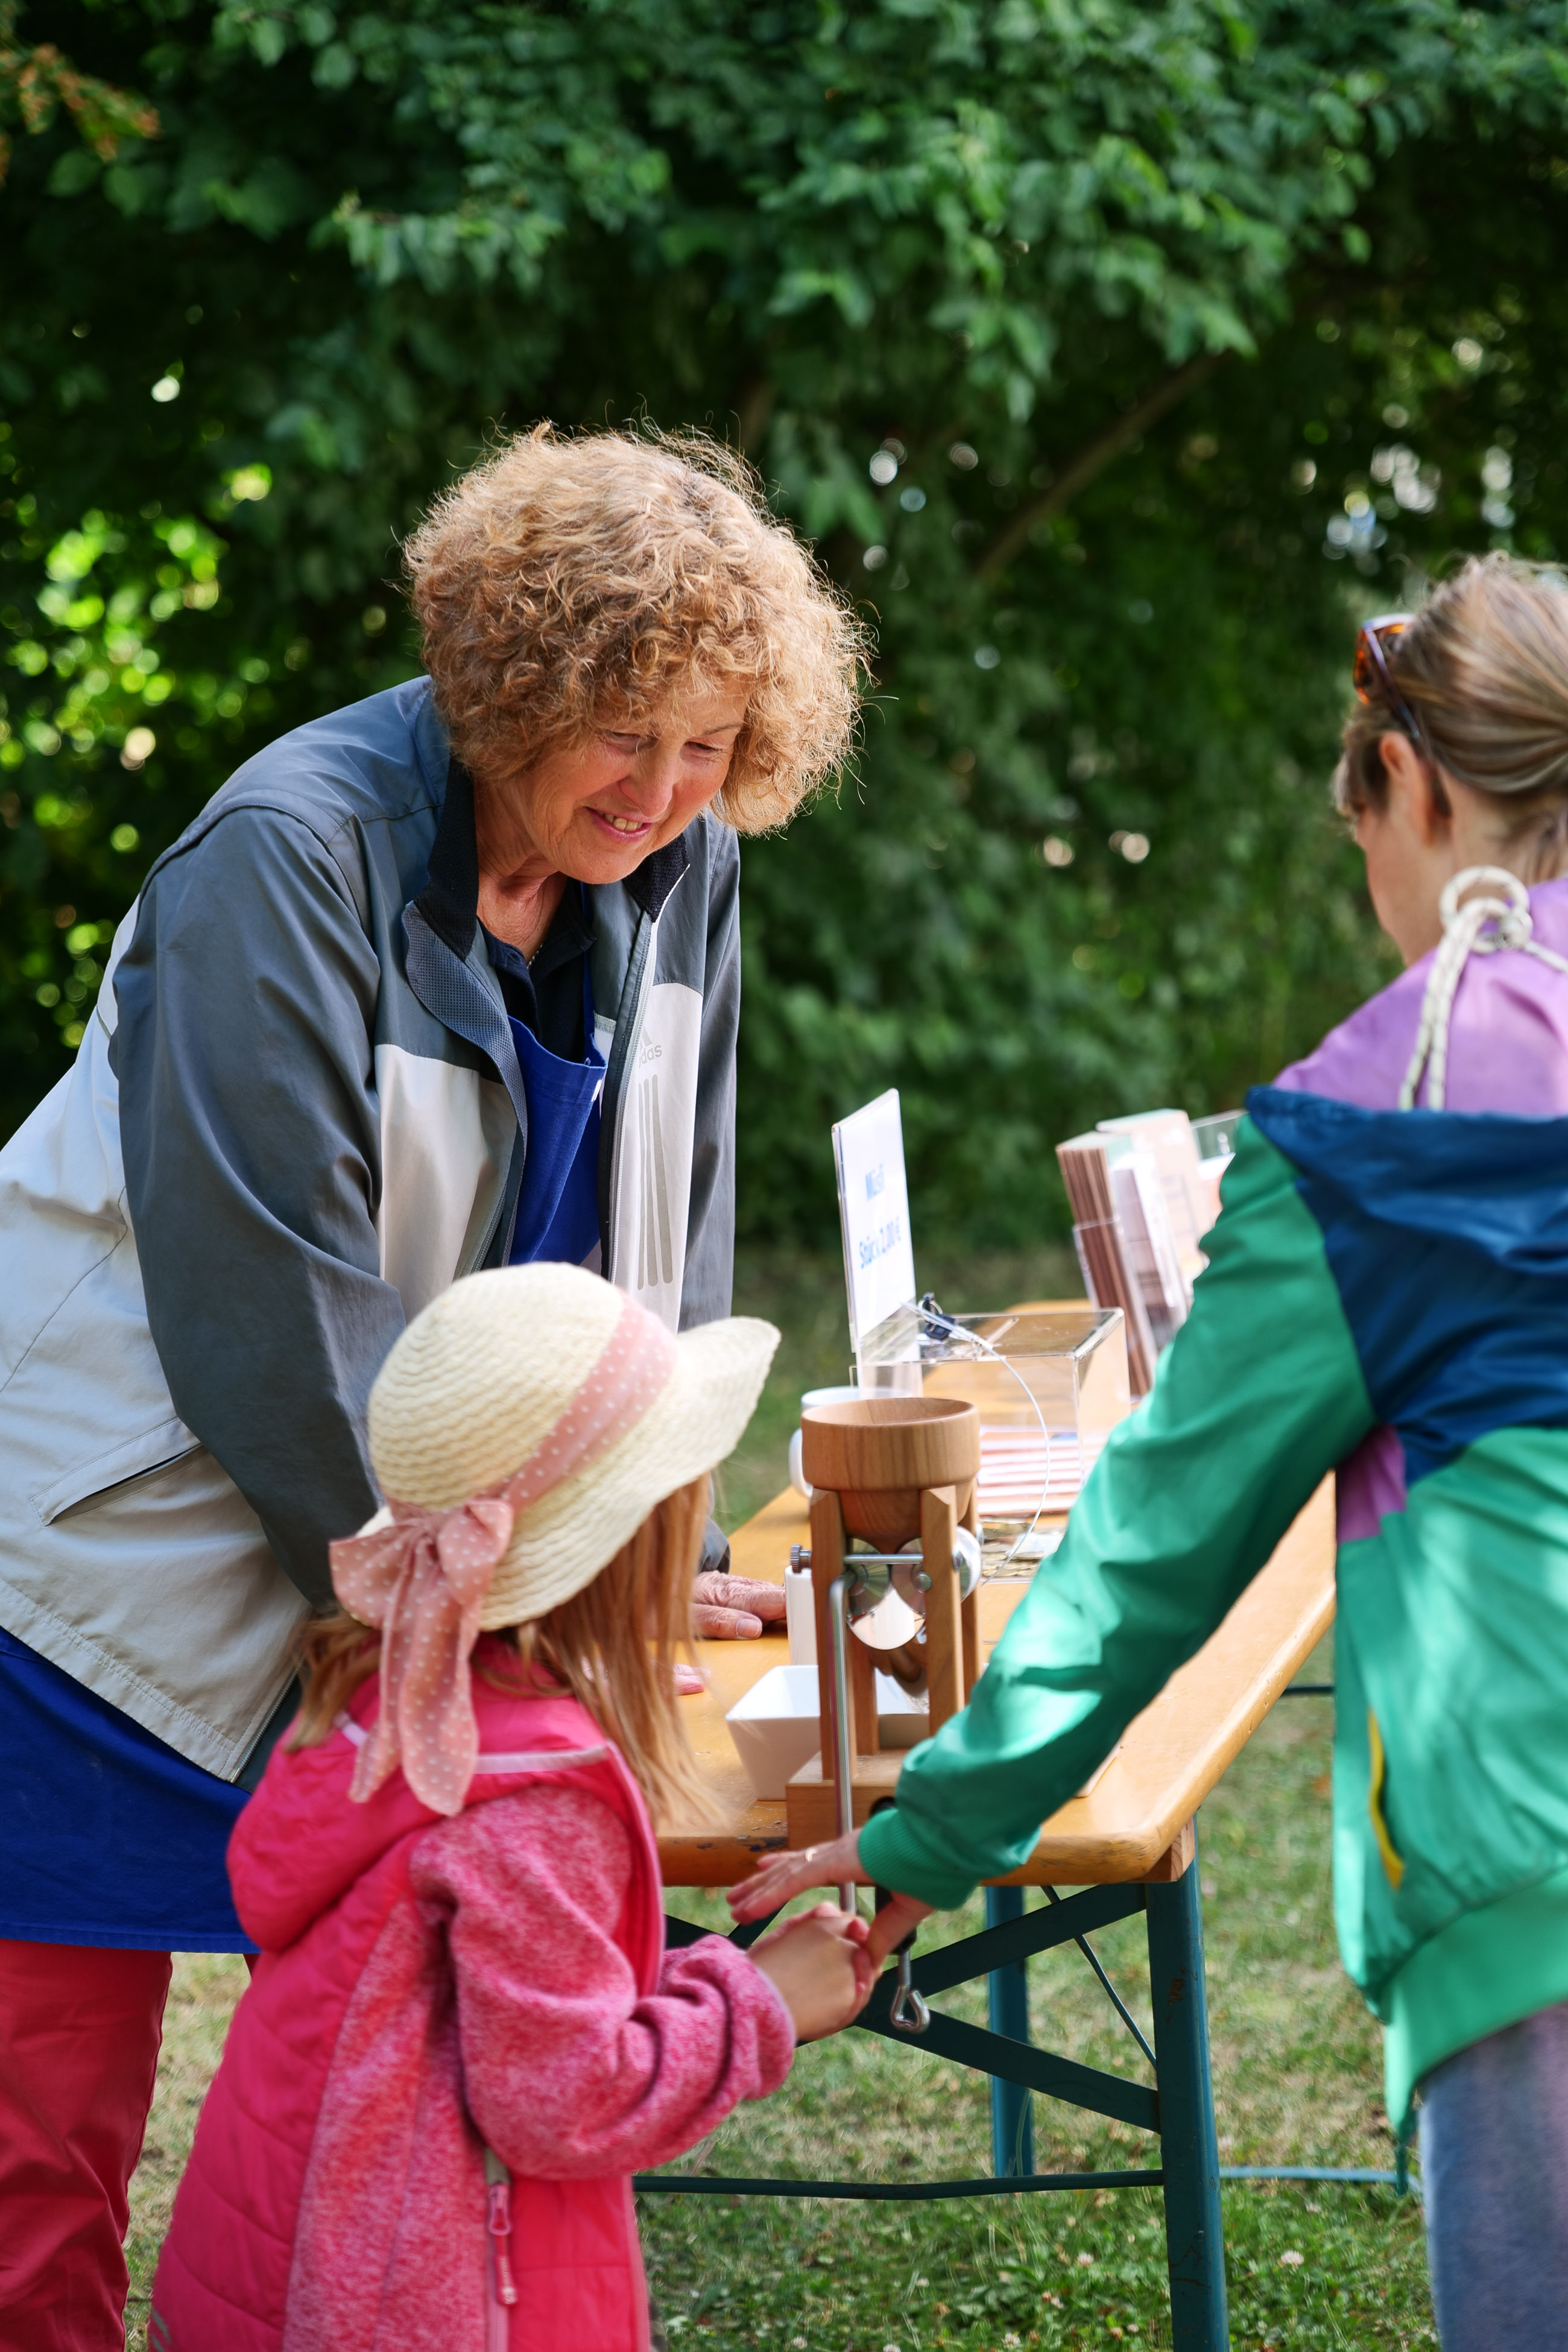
(447,980)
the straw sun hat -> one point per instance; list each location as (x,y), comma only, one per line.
(493,1367)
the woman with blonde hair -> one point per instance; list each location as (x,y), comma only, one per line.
(445,981)
(1387,1297)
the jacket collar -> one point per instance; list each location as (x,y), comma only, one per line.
(656,877)
(449,900)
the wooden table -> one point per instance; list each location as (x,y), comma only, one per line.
(1171,1756)
(1129,1846)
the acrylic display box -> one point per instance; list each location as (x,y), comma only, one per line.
(1063,1366)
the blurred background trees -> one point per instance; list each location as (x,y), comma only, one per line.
(1115,356)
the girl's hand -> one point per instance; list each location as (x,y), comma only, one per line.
(818,1964)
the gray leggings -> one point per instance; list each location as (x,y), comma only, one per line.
(1494,2171)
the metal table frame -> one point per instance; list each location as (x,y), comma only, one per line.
(1180,2108)
(1121,1856)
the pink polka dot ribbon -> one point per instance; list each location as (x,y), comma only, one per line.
(424,1579)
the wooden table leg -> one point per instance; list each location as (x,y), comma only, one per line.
(1189,2147)
(1007,1988)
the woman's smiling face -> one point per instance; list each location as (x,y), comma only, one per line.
(596,809)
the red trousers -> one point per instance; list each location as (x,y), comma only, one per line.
(79,2030)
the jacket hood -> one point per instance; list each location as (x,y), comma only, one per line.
(1507,1044)
(302,1841)
(1447,1235)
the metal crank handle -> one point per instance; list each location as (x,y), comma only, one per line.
(908,2009)
(843,1758)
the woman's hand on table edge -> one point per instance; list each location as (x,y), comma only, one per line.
(780,1877)
(726,1608)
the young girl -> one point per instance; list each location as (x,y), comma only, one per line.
(463,2034)
(1387,1293)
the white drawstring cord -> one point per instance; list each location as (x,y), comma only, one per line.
(1465,930)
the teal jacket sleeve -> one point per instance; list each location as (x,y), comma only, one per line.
(1258,1395)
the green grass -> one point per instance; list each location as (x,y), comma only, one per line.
(1297,2078)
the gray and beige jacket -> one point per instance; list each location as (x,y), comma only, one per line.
(296,1116)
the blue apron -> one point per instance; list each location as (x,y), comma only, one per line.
(558,1204)
(108,1837)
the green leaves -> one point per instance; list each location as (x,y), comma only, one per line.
(1111,354)
(1175,166)
(93,678)
(34,82)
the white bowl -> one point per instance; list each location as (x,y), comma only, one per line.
(775,1729)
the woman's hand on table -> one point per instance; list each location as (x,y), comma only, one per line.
(733,1608)
(819,1965)
(780,1877)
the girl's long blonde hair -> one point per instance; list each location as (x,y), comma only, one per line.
(614,1646)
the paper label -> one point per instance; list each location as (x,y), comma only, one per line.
(874,1214)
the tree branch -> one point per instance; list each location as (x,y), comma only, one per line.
(751,413)
(1093,458)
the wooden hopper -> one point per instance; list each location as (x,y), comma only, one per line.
(877,1455)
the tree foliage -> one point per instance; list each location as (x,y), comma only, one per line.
(1115,353)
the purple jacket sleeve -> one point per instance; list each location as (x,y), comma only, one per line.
(569,2072)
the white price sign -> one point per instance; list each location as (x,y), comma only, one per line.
(873,1211)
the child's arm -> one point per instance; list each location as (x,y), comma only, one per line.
(568,2072)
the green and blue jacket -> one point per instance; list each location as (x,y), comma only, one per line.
(1386,1295)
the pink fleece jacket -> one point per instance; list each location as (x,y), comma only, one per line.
(429,1988)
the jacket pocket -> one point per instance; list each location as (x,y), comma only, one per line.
(168,1440)
(1393,1860)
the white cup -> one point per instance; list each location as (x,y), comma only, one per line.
(800,1616)
(813,1396)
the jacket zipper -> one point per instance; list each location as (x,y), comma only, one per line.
(501,2287)
(637,987)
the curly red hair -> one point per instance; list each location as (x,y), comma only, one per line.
(570,584)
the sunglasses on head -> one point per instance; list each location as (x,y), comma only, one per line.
(1371,676)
